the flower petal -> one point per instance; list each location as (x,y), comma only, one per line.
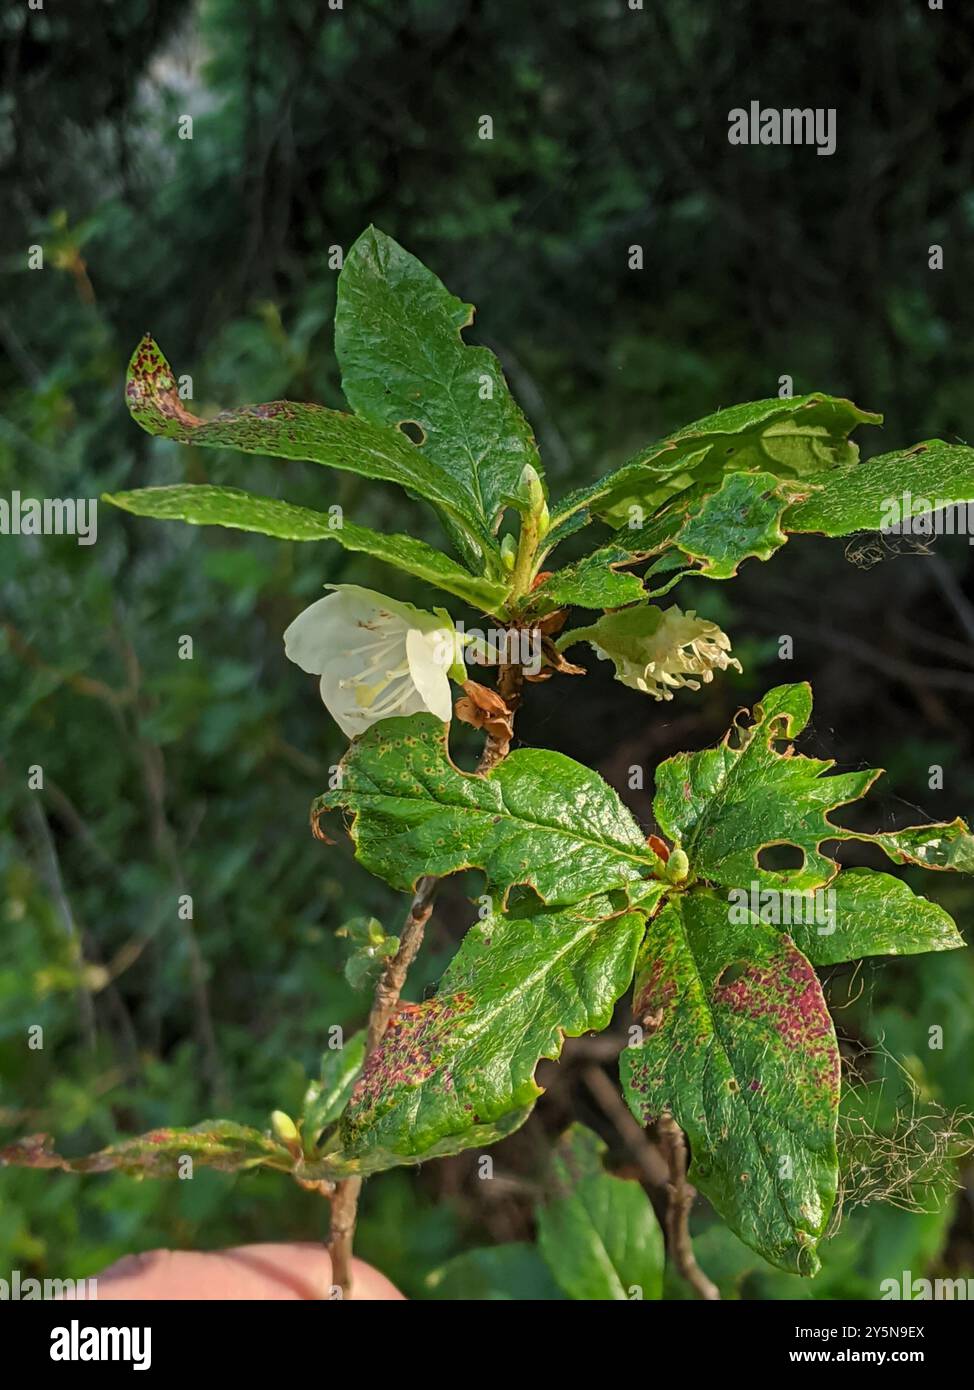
(430,655)
(308,639)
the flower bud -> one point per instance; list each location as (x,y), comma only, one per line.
(677,866)
(284,1128)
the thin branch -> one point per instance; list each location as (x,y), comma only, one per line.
(681,1195)
(344,1207)
(630,1131)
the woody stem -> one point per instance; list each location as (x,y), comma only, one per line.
(344,1206)
(680,1195)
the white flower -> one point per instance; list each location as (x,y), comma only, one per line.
(376,657)
(657,652)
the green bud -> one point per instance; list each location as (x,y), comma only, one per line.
(285,1130)
(677,866)
(529,496)
(508,551)
(529,488)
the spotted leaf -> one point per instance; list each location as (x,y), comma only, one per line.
(160,1153)
(293,430)
(458,1070)
(738,1045)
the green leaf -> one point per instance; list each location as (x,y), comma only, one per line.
(940,846)
(370,948)
(738,1041)
(725,805)
(398,340)
(218,1144)
(286,429)
(739,1047)
(600,1237)
(740,520)
(537,818)
(932,474)
(461,1066)
(794,438)
(494,1274)
(715,528)
(591,583)
(204,505)
(866,913)
(578,1154)
(328,1096)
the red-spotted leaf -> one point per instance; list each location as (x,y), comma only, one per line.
(458,1070)
(738,1045)
(218,1144)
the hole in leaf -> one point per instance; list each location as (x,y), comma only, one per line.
(731,972)
(413,431)
(777,858)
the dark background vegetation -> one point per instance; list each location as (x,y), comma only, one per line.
(165,777)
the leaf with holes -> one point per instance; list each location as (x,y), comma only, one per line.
(458,1070)
(204,505)
(711,527)
(403,359)
(738,1045)
(708,534)
(794,438)
(725,805)
(537,818)
(287,429)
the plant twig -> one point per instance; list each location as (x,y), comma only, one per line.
(681,1194)
(344,1206)
(630,1131)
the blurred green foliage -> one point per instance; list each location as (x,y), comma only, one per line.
(165,777)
